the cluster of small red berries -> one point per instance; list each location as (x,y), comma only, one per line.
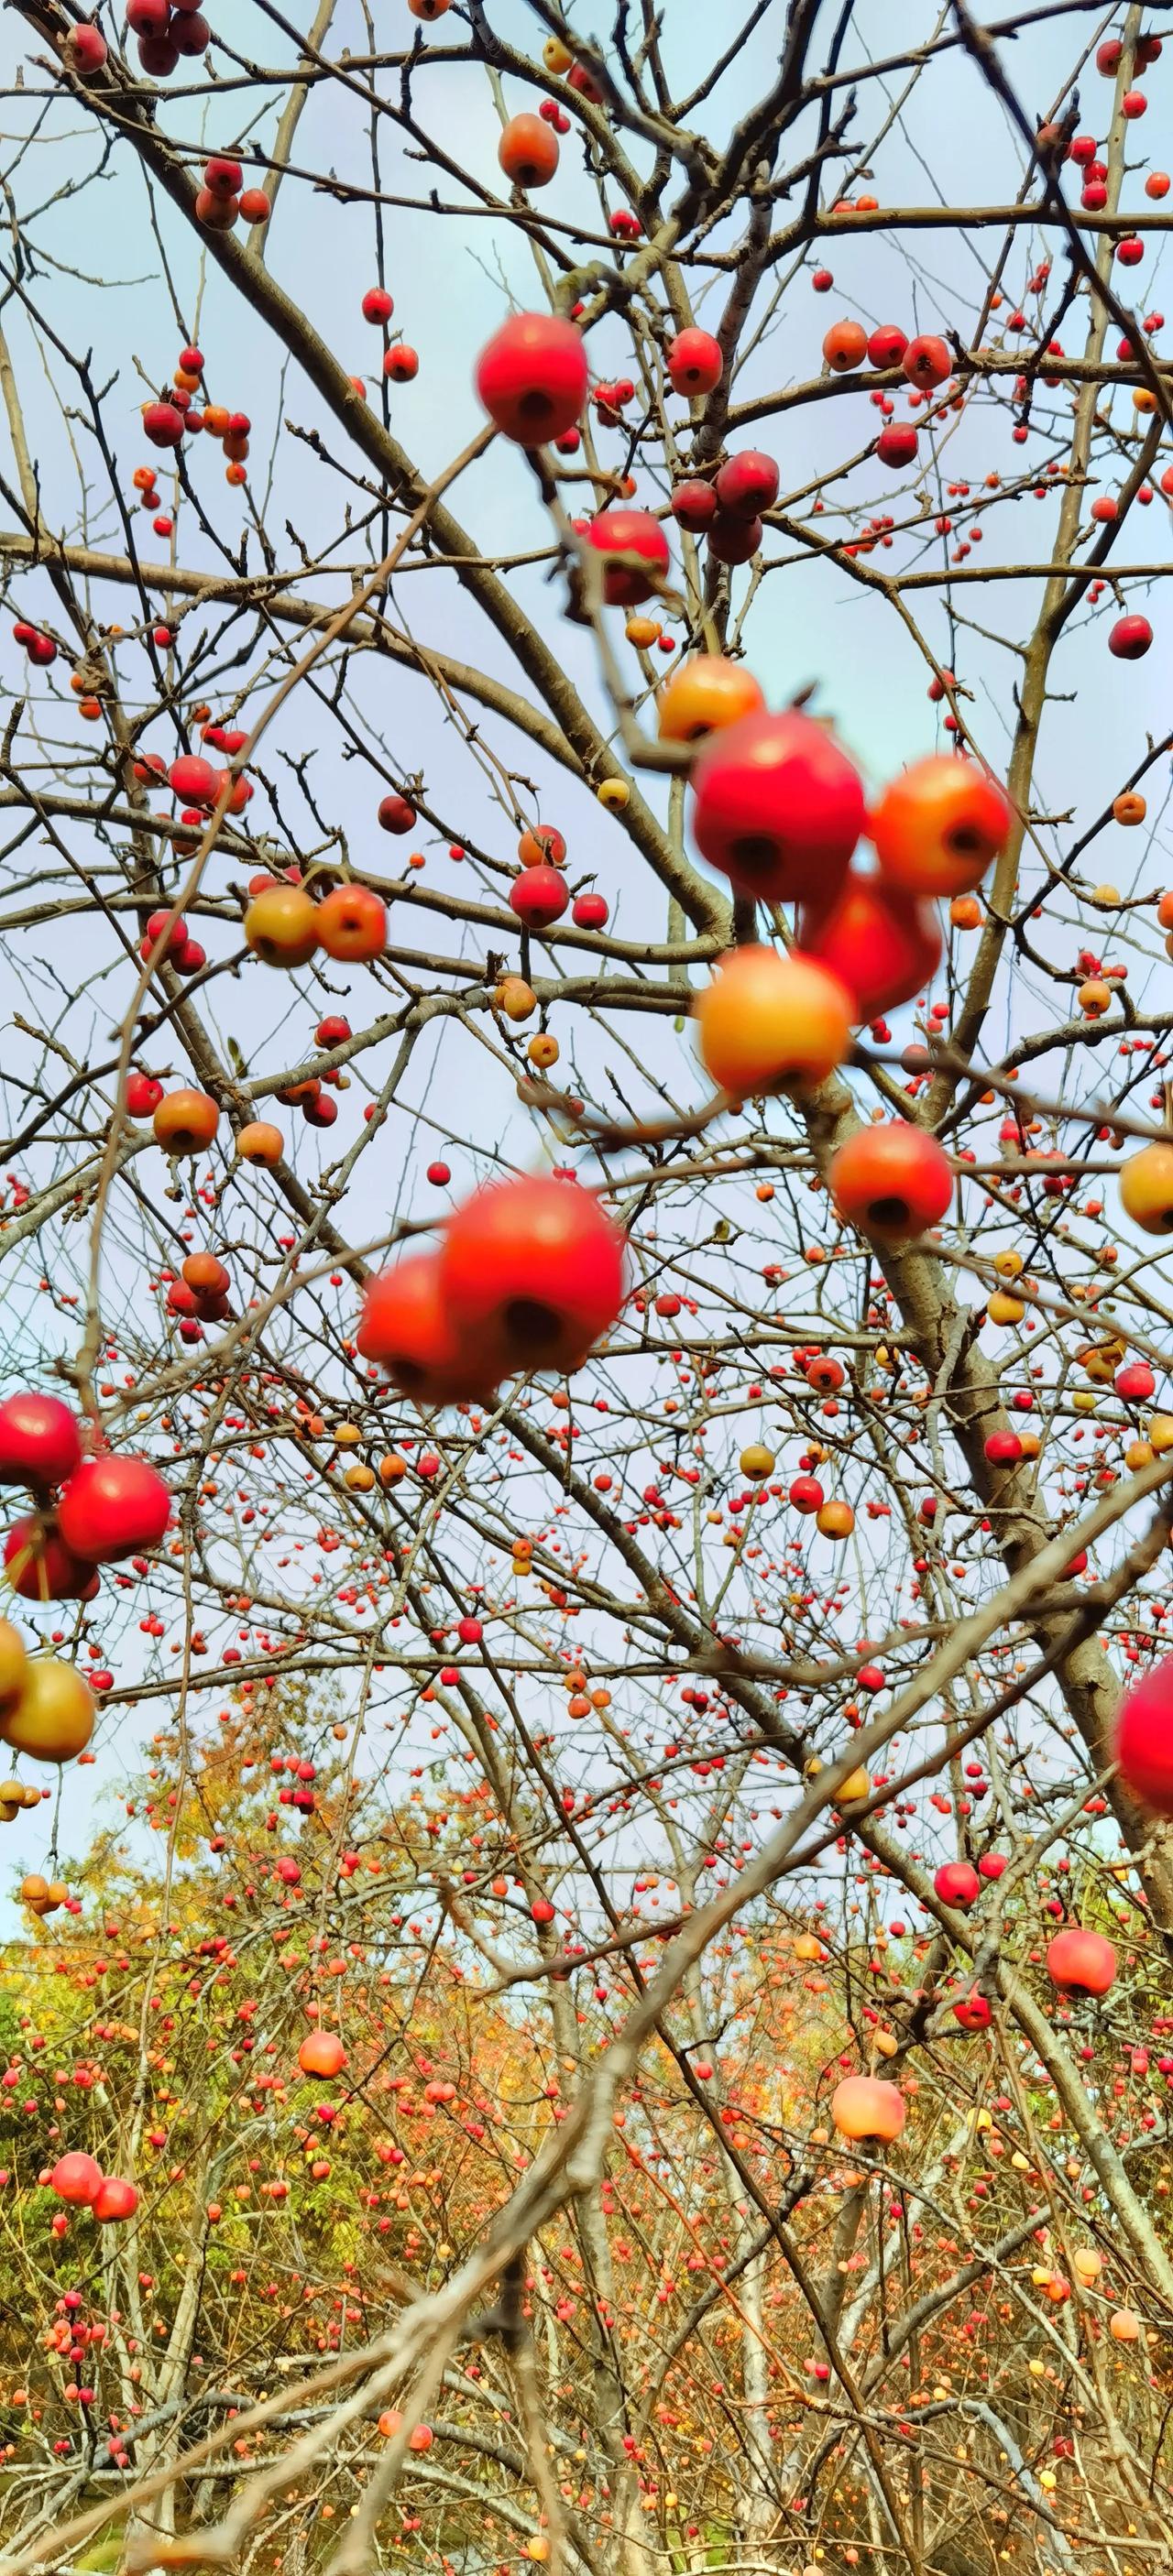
(106,1507)
(528,1277)
(175,416)
(175,943)
(39,647)
(79,2181)
(167,30)
(195,781)
(199,1295)
(224,196)
(728,511)
(539,895)
(400,361)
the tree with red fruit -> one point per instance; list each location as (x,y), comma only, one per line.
(585,1408)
